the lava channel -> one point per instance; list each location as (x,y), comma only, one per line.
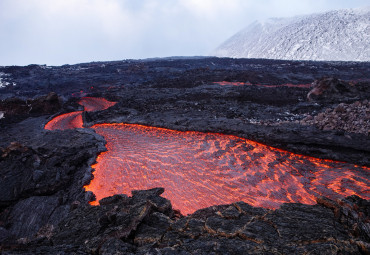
(199,170)
(74,119)
(66,121)
(238,84)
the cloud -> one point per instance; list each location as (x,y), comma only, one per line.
(211,9)
(56,32)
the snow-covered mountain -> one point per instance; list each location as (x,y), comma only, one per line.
(342,35)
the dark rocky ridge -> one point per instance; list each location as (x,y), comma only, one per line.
(34,80)
(42,174)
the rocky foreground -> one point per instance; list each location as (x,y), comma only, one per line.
(44,208)
(146,224)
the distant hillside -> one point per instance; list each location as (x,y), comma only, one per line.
(342,35)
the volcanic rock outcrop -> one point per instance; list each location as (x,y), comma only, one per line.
(17,109)
(146,224)
(354,118)
(333,88)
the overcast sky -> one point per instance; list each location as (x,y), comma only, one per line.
(57,32)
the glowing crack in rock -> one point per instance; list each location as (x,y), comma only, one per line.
(74,119)
(66,121)
(238,84)
(199,170)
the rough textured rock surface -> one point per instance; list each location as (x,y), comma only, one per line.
(332,88)
(354,118)
(146,224)
(16,109)
(44,208)
(42,176)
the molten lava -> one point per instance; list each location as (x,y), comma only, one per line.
(199,170)
(74,119)
(238,84)
(66,121)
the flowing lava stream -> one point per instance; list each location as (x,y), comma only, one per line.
(238,84)
(66,121)
(199,170)
(74,119)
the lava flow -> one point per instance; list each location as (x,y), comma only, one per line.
(238,84)
(199,170)
(74,119)
(66,121)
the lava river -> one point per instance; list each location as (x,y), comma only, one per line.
(74,119)
(199,170)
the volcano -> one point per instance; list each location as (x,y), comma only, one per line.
(340,35)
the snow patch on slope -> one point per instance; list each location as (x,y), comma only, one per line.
(341,35)
(4,80)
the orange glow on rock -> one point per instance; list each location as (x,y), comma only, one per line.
(92,104)
(238,84)
(65,121)
(230,83)
(199,170)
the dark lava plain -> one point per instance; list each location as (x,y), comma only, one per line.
(43,206)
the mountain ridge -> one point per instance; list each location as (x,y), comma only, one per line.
(339,35)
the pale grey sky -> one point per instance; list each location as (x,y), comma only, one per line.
(57,32)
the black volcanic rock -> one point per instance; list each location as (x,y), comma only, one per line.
(48,104)
(23,225)
(353,118)
(332,88)
(16,109)
(42,168)
(138,225)
(42,176)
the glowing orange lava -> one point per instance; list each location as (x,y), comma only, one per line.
(228,83)
(235,83)
(65,121)
(199,170)
(74,119)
